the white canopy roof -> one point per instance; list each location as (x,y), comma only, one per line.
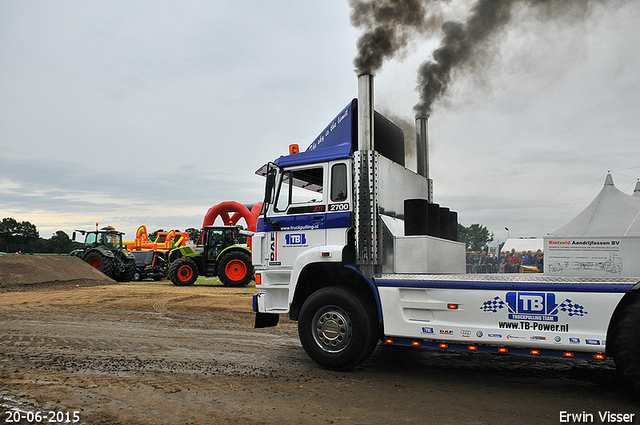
(520,245)
(611,213)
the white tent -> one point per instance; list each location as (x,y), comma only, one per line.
(612,213)
(520,245)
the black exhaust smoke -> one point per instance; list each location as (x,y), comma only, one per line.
(389,26)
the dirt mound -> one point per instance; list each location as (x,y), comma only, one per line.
(20,271)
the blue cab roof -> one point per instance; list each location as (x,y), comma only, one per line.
(339,139)
(335,141)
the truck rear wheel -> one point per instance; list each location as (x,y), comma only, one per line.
(626,346)
(100,262)
(235,269)
(183,272)
(336,329)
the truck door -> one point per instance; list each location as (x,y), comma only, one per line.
(298,217)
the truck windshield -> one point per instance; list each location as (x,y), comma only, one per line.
(300,187)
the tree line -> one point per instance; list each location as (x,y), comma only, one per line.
(476,237)
(23,237)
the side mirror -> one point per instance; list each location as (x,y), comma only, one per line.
(268,189)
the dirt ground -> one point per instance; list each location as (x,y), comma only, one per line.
(153,353)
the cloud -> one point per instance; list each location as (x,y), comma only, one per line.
(70,192)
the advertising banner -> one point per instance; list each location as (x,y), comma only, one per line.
(599,256)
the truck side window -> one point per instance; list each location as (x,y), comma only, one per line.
(300,187)
(284,193)
(339,182)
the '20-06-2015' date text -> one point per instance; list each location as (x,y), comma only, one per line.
(42,417)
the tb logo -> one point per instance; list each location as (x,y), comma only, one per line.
(531,302)
(295,239)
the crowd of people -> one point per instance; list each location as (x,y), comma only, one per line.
(507,262)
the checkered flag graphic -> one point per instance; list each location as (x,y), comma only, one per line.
(493,305)
(571,308)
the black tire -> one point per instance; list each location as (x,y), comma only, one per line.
(626,346)
(130,269)
(336,328)
(100,262)
(183,272)
(235,269)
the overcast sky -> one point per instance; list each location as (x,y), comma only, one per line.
(138,112)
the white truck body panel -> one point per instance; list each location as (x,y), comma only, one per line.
(512,310)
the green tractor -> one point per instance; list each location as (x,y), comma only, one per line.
(103,249)
(219,255)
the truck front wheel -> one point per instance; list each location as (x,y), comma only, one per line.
(626,346)
(183,272)
(336,329)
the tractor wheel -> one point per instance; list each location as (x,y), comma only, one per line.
(100,262)
(235,269)
(130,270)
(183,272)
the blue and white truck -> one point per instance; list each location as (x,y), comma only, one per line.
(351,246)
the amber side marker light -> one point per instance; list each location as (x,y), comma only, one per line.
(415,343)
(472,348)
(567,354)
(503,350)
(388,341)
(599,356)
(534,352)
(443,345)
(452,306)
(258,279)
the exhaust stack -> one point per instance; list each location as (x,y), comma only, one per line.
(365,198)
(422,151)
(365,112)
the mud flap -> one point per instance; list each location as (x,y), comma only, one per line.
(265,320)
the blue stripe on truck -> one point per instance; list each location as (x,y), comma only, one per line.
(312,221)
(506,286)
